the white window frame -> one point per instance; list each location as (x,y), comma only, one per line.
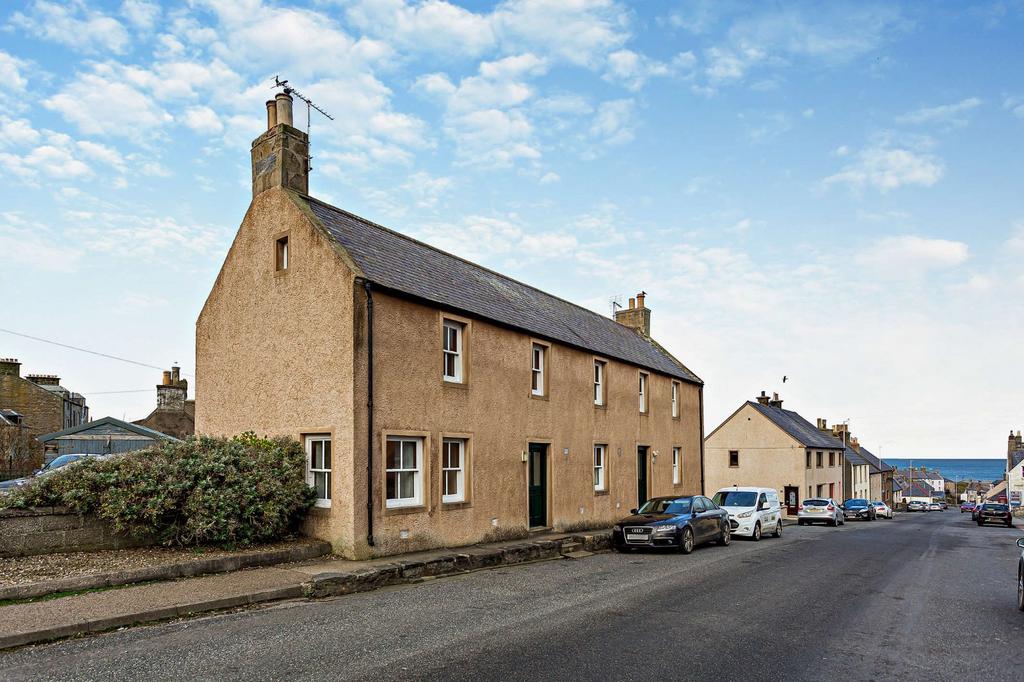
(457,353)
(537,358)
(675,399)
(416,472)
(643,387)
(312,472)
(676,462)
(600,471)
(460,475)
(599,382)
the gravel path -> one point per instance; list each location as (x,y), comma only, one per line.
(32,569)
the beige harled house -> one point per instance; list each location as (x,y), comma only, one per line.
(762,444)
(440,403)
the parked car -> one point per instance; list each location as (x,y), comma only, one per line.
(678,522)
(992,512)
(752,511)
(967,507)
(820,510)
(859,509)
(56,463)
(916,505)
(934,506)
(943,504)
(882,510)
(1020,576)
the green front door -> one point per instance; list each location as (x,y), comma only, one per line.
(641,475)
(538,485)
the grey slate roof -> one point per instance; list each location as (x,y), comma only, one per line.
(1015,457)
(796,426)
(399,263)
(854,458)
(918,489)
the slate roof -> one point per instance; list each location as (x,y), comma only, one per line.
(806,433)
(854,458)
(401,264)
(1015,457)
(918,489)
(876,464)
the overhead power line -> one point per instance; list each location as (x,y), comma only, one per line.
(136,390)
(85,350)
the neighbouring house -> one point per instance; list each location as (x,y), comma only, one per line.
(897,493)
(42,404)
(934,479)
(175,414)
(1015,468)
(440,403)
(15,444)
(106,436)
(997,493)
(881,484)
(762,444)
(975,491)
(857,476)
(918,491)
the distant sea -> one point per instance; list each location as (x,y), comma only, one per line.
(958,469)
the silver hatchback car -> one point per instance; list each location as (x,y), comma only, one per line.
(820,510)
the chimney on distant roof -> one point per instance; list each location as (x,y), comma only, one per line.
(822,424)
(637,316)
(11,367)
(44,379)
(171,394)
(775,401)
(280,156)
(763,398)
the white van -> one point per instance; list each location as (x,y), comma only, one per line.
(752,511)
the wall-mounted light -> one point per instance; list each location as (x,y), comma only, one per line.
(525,456)
(565,451)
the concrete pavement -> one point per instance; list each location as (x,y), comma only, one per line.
(924,596)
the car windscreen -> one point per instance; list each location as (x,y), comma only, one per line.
(669,506)
(995,507)
(63,460)
(855,503)
(815,503)
(735,498)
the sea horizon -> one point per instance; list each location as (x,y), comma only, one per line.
(956,468)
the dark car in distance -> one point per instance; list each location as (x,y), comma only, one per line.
(859,509)
(678,522)
(992,512)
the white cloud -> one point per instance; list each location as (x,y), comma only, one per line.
(576,31)
(886,168)
(202,120)
(949,114)
(975,284)
(633,70)
(1016,241)
(74,25)
(17,133)
(1013,104)
(12,76)
(613,123)
(140,13)
(549,178)
(912,255)
(98,106)
(433,25)
(108,232)
(34,245)
(426,189)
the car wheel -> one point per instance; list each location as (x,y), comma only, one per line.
(778,530)
(726,537)
(800,522)
(621,549)
(686,542)
(756,534)
(981,523)
(832,522)
(1020,587)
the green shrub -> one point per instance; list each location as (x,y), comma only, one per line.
(203,491)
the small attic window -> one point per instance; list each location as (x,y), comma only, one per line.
(281,253)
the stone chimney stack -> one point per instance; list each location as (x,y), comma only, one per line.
(637,316)
(280,156)
(44,379)
(11,367)
(171,394)
(776,401)
(822,424)
(763,398)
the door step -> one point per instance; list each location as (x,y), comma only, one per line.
(576,554)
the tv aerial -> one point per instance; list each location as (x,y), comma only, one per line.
(289,90)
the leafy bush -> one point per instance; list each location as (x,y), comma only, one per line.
(203,491)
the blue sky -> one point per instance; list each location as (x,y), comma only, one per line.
(825,191)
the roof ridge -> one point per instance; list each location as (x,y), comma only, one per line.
(455,256)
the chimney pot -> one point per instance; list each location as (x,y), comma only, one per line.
(284,108)
(640,299)
(763,398)
(271,114)
(167,378)
(632,302)
(11,367)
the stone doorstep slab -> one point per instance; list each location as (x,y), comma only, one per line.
(172,571)
(35,622)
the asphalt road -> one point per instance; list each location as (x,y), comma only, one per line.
(925,596)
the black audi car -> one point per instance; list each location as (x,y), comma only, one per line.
(859,509)
(677,522)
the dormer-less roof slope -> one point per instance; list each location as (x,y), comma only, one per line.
(918,489)
(403,265)
(855,458)
(806,433)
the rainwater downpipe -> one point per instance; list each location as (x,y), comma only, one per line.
(700,404)
(369,413)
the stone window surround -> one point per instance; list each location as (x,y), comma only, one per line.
(423,463)
(307,441)
(467,347)
(545,369)
(603,487)
(289,253)
(467,470)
